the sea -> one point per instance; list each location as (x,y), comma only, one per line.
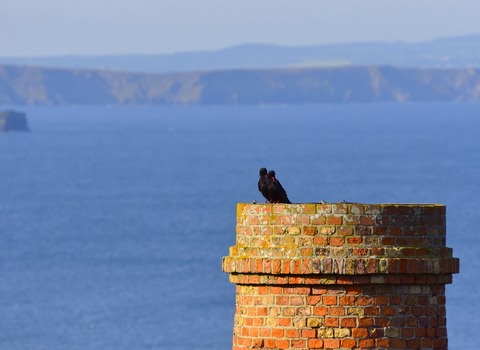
(114,220)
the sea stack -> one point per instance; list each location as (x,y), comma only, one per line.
(13,121)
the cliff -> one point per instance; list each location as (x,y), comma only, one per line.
(13,121)
(48,86)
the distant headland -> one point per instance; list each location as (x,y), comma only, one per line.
(13,121)
(23,85)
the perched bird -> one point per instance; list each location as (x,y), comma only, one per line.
(275,190)
(263,184)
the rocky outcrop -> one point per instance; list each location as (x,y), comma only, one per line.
(13,121)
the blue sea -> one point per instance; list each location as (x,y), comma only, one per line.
(114,220)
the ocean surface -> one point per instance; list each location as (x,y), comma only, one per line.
(114,220)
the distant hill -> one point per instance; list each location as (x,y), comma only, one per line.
(42,86)
(458,52)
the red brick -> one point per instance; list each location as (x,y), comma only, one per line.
(377,333)
(348,300)
(263,290)
(262,311)
(388,241)
(296,301)
(265,332)
(345,230)
(382,343)
(408,332)
(330,322)
(414,344)
(313,299)
(349,322)
(363,301)
(288,220)
(382,300)
(366,220)
(395,299)
(420,332)
(366,343)
(417,311)
(254,331)
(334,220)
(283,344)
(295,280)
(321,241)
(319,290)
(303,220)
(372,311)
(412,322)
(320,311)
(299,343)
(337,241)
(359,332)
(331,343)
(388,311)
(353,290)
(278,280)
(365,321)
(277,333)
(270,343)
(318,220)
(427,343)
(382,322)
(292,333)
(360,251)
(312,280)
(277,267)
(258,343)
(349,343)
(398,344)
(329,300)
(276,290)
(337,311)
(312,231)
(354,240)
(258,321)
(342,279)
(315,343)
(309,333)
(297,267)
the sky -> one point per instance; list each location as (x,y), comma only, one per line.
(98,27)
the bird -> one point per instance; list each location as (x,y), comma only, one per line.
(263,184)
(276,191)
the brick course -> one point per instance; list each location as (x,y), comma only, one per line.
(340,276)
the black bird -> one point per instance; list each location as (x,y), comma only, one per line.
(275,190)
(263,184)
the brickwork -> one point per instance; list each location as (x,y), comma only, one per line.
(340,276)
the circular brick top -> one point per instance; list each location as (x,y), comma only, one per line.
(341,238)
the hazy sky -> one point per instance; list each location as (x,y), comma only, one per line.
(84,27)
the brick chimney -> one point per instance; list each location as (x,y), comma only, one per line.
(340,276)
